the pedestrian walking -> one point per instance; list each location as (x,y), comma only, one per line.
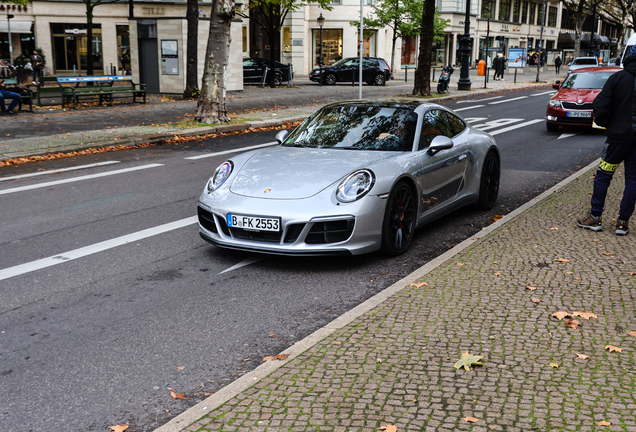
(615,109)
(499,65)
(557,64)
(4,93)
(36,64)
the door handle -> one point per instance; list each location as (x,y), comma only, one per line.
(462,157)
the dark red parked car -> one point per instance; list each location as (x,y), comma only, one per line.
(572,105)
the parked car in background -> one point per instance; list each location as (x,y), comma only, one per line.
(583,62)
(572,105)
(353,178)
(254,68)
(628,49)
(374,71)
(613,62)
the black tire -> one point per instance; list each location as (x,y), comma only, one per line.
(379,79)
(330,79)
(551,127)
(489,183)
(400,217)
(278,78)
(441,88)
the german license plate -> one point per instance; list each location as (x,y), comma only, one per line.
(253,223)
(579,114)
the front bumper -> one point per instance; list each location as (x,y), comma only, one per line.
(560,117)
(318,225)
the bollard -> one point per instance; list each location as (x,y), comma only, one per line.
(515,75)
(433,74)
(353,78)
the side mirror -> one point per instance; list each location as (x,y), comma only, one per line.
(556,85)
(440,142)
(280,136)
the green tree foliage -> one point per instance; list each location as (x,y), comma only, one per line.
(404,17)
(18,2)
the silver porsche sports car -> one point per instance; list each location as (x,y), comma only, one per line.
(354,177)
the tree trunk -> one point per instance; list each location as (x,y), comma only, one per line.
(422,86)
(580,20)
(272,20)
(192,16)
(393,42)
(211,107)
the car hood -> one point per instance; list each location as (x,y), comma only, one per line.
(587,95)
(295,173)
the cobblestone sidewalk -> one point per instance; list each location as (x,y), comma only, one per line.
(393,365)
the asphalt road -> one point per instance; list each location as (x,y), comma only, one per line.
(105,305)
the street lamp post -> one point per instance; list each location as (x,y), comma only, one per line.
(465,48)
(9,16)
(321,22)
(541,42)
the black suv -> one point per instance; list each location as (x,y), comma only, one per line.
(374,71)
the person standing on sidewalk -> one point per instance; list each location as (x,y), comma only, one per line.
(615,109)
(557,64)
(36,64)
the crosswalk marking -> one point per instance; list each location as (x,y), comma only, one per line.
(508,100)
(517,126)
(474,119)
(493,124)
(39,173)
(469,108)
(566,135)
(480,100)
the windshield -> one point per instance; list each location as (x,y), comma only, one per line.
(586,80)
(357,127)
(585,61)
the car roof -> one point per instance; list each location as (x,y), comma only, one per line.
(588,57)
(599,69)
(387,103)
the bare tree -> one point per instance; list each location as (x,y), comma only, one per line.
(422,86)
(192,17)
(579,9)
(618,13)
(211,107)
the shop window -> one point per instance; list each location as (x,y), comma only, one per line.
(286,39)
(504,10)
(331,46)
(70,47)
(245,40)
(516,8)
(123,48)
(368,43)
(552,16)
(488,9)
(409,53)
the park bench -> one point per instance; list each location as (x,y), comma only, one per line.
(102,87)
(11,84)
(45,88)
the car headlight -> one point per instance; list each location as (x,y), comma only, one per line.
(220,175)
(355,186)
(555,103)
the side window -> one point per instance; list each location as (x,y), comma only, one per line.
(352,62)
(455,124)
(433,124)
(249,62)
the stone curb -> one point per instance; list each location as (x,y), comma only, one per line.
(194,413)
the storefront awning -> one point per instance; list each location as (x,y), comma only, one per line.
(16,26)
(604,39)
(566,38)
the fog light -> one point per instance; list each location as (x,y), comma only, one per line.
(552,118)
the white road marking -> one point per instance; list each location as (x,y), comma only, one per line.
(480,100)
(470,107)
(39,173)
(207,155)
(244,263)
(493,124)
(508,100)
(517,126)
(74,179)
(566,135)
(93,249)
(544,93)
(474,119)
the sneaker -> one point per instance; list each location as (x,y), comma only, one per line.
(11,112)
(622,227)
(590,222)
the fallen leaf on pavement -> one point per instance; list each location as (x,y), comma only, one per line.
(632,333)
(497,217)
(268,358)
(560,315)
(498,274)
(536,300)
(418,284)
(604,423)
(471,419)
(554,365)
(606,253)
(563,260)
(531,288)
(178,395)
(582,356)
(281,356)
(631,273)
(612,348)
(554,229)
(388,428)
(586,315)
(272,335)
(467,360)
(119,427)
(572,323)
(459,264)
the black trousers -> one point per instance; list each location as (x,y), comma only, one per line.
(612,156)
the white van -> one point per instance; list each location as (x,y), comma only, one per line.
(630,43)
